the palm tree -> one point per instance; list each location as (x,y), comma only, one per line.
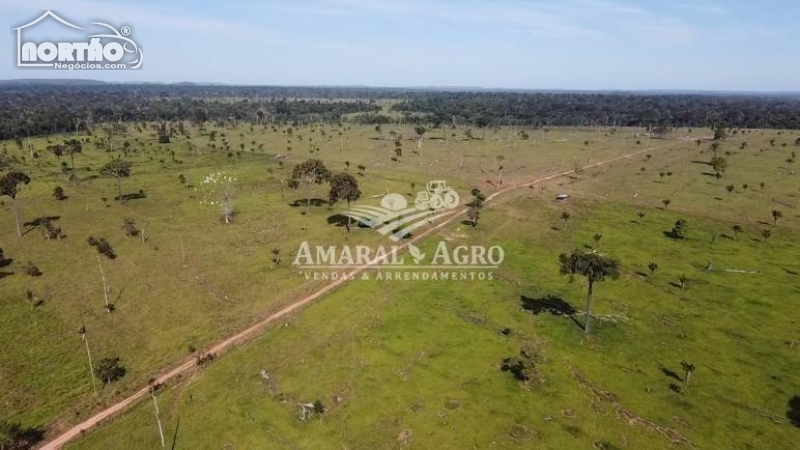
(776,214)
(596,238)
(666,203)
(736,230)
(594,267)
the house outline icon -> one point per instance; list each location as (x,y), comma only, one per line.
(19,29)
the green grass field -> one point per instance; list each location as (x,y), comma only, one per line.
(416,363)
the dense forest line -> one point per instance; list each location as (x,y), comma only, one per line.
(29,109)
(565,109)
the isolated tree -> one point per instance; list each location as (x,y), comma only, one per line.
(594,267)
(475,207)
(766,234)
(653,266)
(641,215)
(118,169)
(9,187)
(730,188)
(666,203)
(361,169)
(683,280)
(596,238)
(73,147)
(719,164)
(688,369)
(57,150)
(680,230)
(58,193)
(420,130)
(720,131)
(776,214)
(379,130)
(736,230)
(109,370)
(565,217)
(344,187)
(311,172)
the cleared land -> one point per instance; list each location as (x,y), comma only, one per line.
(385,358)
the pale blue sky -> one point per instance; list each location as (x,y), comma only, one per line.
(569,44)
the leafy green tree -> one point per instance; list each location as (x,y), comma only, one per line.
(109,370)
(594,267)
(653,266)
(720,131)
(9,187)
(680,230)
(118,169)
(311,172)
(344,187)
(475,206)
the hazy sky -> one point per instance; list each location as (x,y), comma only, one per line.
(569,44)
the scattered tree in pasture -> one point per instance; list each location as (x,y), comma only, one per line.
(85,339)
(129,227)
(688,369)
(680,229)
(720,131)
(311,172)
(596,238)
(565,216)
(31,270)
(594,267)
(109,370)
(736,230)
(730,188)
(9,187)
(766,234)
(683,280)
(641,215)
(666,203)
(361,169)
(276,256)
(776,214)
(58,193)
(118,169)
(475,207)
(420,130)
(344,187)
(653,266)
(102,246)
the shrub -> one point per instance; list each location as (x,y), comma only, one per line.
(103,247)
(32,270)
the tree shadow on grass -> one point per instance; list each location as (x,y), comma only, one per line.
(671,374)
(6,262)
(793,414)
(550,304)
(304,202)
(672,235)
(135,196)
(5,274)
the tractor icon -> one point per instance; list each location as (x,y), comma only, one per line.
(437,196)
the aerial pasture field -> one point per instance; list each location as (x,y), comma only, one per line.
(418,363)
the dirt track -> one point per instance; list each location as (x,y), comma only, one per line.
(242,336)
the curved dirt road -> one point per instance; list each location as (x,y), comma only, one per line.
(226,344)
